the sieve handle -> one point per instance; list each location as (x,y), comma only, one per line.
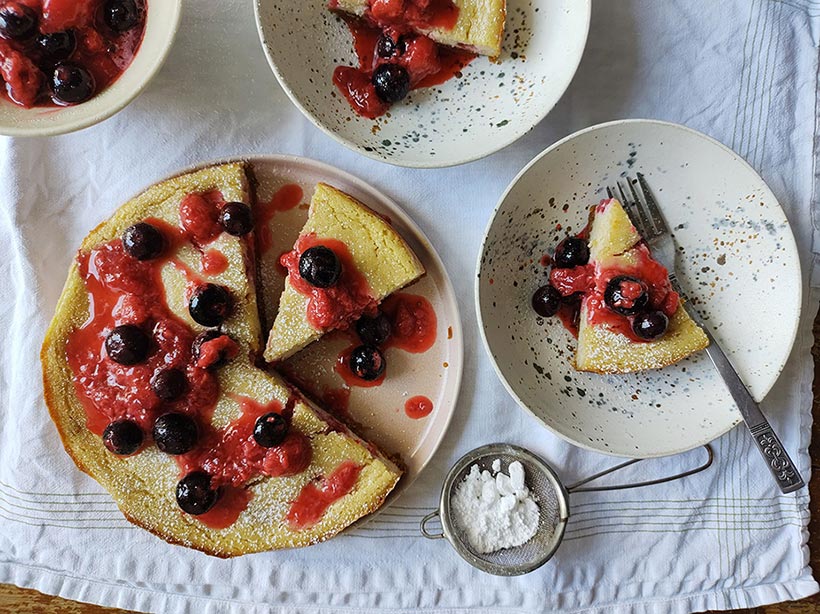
(423,526)
(575,487)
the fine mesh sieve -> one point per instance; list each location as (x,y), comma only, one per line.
(550,494)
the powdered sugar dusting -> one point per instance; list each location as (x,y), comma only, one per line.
(496,510)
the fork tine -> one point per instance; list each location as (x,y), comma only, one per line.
(653,230)
(652,205)
(609,192)
(633,212)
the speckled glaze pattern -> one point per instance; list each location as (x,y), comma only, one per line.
(491,105)
(737,256)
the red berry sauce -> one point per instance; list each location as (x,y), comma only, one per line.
(213,262)
(106,54)
(338,306)
(418,407)
(199,214)
(589,282)
(314,499)
(232,457)
(426,62)
(413,321)
(124,290)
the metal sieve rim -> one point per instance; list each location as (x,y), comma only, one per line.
(518,453)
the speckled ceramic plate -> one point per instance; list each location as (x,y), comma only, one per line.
(467,118)
(737,257)
(436,373)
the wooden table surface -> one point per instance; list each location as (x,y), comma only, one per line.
(24,601)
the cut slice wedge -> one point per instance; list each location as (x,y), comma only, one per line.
(479,27)
(605,341)
(376,262)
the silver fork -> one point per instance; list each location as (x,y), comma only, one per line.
(643,210)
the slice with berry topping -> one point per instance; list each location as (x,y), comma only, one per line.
(475,25)
(346,260)
(150,375)
(631,319)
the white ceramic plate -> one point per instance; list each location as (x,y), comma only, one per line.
(162,22)
(738,259)
(435,374)
(467,118)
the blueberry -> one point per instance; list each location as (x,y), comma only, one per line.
(127,344)
(71,83)
(175,433)
(123,437)
(320,266)
(546,301)
(121,15)
(374,331)
(367,362)
(56,47)
(626,295)
(236,219)
(650,325)
(210,305)
(386,46)
(392,82)
(194,493)
(270,430)
(572,251)
(208,335)
(143,241)
(169,384)
(17,21)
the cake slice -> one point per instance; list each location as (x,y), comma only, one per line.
(149,375)
(346,260)
(627,283)
(478,26)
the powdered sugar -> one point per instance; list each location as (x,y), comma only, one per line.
(495,510)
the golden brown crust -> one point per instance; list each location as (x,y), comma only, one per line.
(143,485)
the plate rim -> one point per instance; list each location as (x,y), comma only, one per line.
(448,290)
(792,246)
(584,5)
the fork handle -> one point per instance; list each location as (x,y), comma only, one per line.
(777,459)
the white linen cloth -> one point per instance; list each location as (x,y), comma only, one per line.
(743,71)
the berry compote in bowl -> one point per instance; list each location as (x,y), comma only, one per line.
(69,64)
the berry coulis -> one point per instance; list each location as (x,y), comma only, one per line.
(314,499)
(413,321)
(337,306)
(418,407)
(231,457)
(101,52)
(426,62)
(590,282)
(413,325)
(213,262)
(123,290)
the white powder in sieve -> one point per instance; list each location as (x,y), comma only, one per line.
(495,511)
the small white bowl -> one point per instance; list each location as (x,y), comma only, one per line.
(467,118)
(162,22)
